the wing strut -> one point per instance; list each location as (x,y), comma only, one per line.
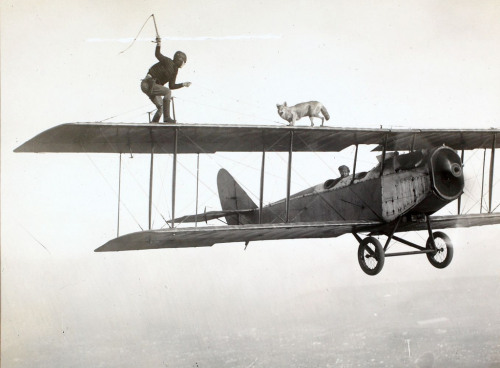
(288,176)
(354,165)
(119,195)
(151,166)
(482,183)
(197,185)
(382,163)
(459,205)
(492,168)
(261,200)
(174,175)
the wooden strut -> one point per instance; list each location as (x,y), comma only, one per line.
(354,165)
(412,147)
(151,166)
(119,195)
(289,173)
(382,164)
(459,204)
(197,187)
(492,171)
(261,198)
(174,176)
(482,184)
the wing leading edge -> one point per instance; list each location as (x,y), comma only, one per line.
(205,138)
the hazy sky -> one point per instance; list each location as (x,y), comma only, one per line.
(429,64)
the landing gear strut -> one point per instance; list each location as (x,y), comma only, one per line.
(371,254)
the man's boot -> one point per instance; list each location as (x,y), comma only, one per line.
(166,112)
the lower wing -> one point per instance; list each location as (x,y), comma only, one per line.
(209,235)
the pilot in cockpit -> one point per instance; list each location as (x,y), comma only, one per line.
(344,171)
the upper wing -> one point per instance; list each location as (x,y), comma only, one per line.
(207,236)
(201,138)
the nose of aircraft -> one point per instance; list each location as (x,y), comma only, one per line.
(447,173)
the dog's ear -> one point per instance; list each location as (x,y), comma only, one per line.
(278,105)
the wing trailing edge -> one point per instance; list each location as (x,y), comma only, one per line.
(209,235)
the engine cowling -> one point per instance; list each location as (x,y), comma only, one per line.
(447,176)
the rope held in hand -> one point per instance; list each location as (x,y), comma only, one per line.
(135,39)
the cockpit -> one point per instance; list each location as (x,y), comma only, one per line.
(393,163)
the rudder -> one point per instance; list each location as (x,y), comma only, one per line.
(233,197)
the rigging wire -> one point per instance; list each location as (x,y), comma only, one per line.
(228,110)
(123,113)
(113,189)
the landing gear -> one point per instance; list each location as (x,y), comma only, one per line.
(371,254)
(442,252)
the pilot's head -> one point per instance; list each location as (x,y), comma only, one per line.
(180,59)
(344,171)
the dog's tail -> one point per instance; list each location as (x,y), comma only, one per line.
(325,113)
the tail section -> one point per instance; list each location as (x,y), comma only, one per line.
(325,113)
(234,198)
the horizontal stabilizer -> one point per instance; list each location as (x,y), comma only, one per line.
(206,216)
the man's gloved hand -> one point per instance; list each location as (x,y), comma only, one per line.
(158,40)
(186,84)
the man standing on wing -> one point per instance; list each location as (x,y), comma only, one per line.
(165,71)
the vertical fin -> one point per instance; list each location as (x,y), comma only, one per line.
(233,197)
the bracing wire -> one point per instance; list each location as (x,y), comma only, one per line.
(125,112)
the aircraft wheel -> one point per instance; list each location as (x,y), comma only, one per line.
(444,253)
(371,256)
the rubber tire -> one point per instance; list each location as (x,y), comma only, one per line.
(449,250)
(379,253)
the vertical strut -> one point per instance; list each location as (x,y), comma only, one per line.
(119,195)
(261,199)
(382,164)
(460,198)
(492,170)
(429,230)
(412,147)
(354,165)
(482,183)
(151,186)
(197,186)
(173,107)
(174,176)
(288,177)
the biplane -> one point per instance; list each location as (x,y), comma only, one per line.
(418,173)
